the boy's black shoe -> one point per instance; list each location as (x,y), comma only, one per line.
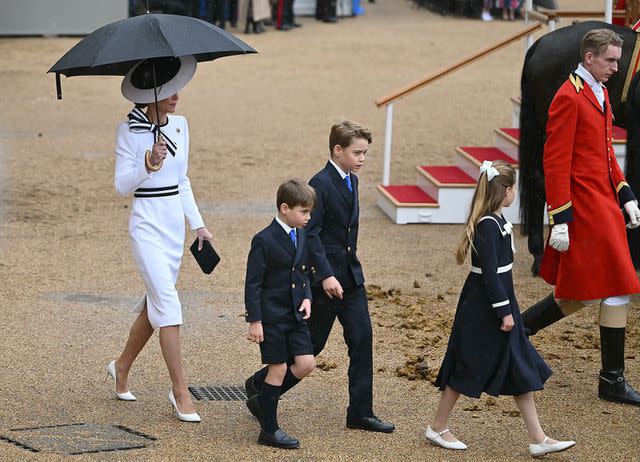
(285,27)
(250,387)
(279,439)
(253,404)
(372,424)
(330,19)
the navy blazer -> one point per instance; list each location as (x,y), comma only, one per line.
(332,232)
(277,276)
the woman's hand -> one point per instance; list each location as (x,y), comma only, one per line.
(507,323)
(158,152)
(203,234)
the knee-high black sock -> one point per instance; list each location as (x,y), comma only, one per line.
(269,407)
(289,381)
(258,378)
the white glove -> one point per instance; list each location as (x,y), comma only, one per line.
(632,209)
(559,239)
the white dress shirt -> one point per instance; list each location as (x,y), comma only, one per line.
(340,171)
(596,86)
(286,227)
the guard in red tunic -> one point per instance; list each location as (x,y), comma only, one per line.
(587,256)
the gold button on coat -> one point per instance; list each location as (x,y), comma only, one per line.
(293,286)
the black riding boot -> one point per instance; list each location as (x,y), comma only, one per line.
(542,314)
(612,385)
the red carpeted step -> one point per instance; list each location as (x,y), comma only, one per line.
(479,154)
(512,133)
(446,175)
(407,196)
(619,135)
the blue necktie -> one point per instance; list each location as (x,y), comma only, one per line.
(292,235)
(347,179)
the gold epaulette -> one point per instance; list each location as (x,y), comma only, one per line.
(577,82)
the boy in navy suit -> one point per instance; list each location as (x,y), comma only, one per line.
(278,301)
(338,291)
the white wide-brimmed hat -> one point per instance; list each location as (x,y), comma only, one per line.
(172,75)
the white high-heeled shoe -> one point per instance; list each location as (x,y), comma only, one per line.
(111,372)
(194,417)
(437,439)
(544,448)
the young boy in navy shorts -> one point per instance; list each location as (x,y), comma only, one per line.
(278,302)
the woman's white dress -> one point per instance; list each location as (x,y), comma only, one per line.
(161,201)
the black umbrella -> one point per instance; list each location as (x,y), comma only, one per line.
(117,47)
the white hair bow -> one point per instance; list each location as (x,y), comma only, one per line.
(492,172)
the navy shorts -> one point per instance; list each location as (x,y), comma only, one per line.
(283,340)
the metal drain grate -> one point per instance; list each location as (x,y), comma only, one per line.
(80,438)
(220,393)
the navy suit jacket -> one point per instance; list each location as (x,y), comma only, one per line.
(277,276)
(332,232)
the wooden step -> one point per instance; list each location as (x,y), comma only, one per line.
(619,135)
(448,176)
(407,196)
(510,134)
(477,155)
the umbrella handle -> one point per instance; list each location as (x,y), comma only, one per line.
(58,86)
(150,166)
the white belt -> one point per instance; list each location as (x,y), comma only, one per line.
(501,269)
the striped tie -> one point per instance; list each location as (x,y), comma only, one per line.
(140,123)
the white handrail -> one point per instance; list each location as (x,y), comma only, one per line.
(528,7)
(386,166)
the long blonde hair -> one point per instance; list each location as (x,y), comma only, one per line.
(487,198)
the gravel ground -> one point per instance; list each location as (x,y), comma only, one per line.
(68,277)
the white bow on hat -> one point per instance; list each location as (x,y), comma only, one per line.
(492,172)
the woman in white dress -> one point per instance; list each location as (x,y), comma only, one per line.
(156,173)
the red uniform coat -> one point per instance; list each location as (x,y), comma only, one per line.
(586,189)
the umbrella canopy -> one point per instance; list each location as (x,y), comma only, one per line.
(115,48)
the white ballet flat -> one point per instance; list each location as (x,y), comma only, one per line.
(111,372)
(541,449)
(184,417)
(436,438)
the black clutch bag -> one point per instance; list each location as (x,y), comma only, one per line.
(207,257)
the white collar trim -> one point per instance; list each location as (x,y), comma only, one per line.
(340,171)
(286,227)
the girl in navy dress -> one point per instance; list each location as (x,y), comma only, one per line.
(488,350)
